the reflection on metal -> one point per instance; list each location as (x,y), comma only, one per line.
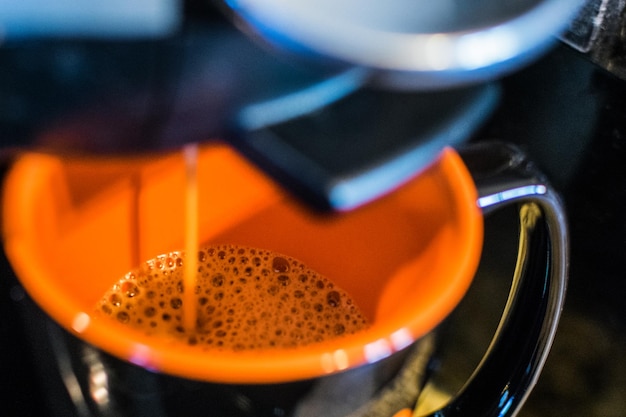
(477,50)
(599,31)
(97,377)
(83,18)
(417,44)
(505,403)
(398,396)
(512,194)
(509,370)
(64,363)
(260,114)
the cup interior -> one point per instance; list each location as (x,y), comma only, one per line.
(74,225)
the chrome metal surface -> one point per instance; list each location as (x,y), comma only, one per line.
(367,144)
(599,31)
(509,370)
(414,44)
(32,19)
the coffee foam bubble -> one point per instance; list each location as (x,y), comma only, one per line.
(246,298)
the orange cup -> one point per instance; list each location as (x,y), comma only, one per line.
(73,226)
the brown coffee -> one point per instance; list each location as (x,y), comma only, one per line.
(246,298)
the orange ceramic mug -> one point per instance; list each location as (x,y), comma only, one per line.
(73,226)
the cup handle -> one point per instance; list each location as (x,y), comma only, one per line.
(511,365)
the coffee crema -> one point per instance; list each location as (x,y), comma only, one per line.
(246,298)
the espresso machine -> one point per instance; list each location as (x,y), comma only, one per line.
(289,85)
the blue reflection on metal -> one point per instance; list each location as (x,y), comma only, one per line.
(505,407)
(353,192)
(506,402)
(86,18)
(272,34)
(512,194)
(261,114)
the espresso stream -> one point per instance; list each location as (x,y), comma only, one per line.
(245,298)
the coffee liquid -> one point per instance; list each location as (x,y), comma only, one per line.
(190,154)
(245,298)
